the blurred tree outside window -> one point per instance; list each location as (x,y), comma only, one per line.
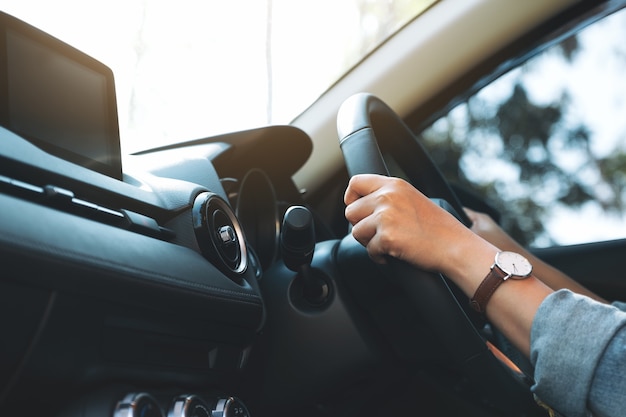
(545,144)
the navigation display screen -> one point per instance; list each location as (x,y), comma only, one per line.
(58,98)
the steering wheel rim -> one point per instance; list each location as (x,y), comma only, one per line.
(362,120)
(357,120)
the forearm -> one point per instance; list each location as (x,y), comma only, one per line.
(485,227)
(549,275)
(391,218)
(558,280)
(513,305)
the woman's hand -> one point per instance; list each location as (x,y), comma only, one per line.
(392,218)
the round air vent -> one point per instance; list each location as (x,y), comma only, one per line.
(219,234)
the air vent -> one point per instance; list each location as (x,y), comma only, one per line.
(219,234)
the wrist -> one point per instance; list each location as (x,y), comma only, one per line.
(469,263)
(507,266)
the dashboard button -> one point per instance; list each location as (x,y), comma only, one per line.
(189,406)
(140,223)
(230,407)
(138,405)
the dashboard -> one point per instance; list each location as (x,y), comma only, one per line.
(126,290)
(150,278)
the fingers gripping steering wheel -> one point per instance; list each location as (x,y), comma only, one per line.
(366,126)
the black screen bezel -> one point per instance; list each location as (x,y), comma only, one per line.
(112,167)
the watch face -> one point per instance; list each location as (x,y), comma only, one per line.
(514,264)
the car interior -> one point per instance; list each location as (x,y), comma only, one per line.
(218,276)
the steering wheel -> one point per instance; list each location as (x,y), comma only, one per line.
(366,126)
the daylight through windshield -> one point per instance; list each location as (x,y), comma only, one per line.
(196,68)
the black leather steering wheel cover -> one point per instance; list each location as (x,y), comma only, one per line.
(362,123)
(429,291)
(360,119)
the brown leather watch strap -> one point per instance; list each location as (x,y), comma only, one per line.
(485,290)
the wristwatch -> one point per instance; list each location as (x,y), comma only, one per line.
(506,265)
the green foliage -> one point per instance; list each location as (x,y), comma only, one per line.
(527,140)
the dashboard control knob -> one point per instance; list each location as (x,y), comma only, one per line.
(138,405)
(230,407)
(189,406)
(297,237)
(297,242)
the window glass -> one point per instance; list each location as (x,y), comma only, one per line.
(188,69)
(545,144)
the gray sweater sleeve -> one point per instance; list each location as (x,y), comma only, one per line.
(578,351)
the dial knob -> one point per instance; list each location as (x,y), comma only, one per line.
(230,407)
(138,405)
(189,406)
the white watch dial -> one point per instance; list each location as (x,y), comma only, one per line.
(514,264)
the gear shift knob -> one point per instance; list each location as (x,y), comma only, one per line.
(297,238)
(297,243)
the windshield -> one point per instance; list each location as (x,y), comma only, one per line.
(195,68)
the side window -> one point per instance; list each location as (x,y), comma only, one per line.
(545,144)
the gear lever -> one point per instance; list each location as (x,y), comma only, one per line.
(297,243)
